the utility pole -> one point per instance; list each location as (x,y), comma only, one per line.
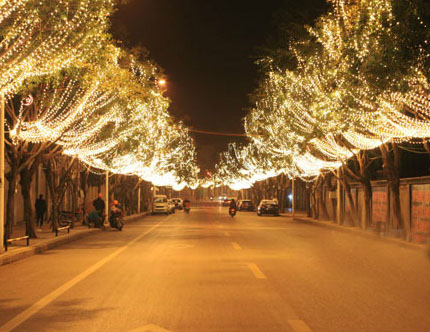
(2,183)
(138,199)
(293,201)
(107,195)
(339,200)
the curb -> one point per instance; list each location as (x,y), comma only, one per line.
(16,255)
(359,231)
(21,253)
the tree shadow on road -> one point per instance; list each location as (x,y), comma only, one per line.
(60,316)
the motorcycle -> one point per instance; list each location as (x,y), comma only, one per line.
(96,224)
(232,211)
(116,221)
(66,218)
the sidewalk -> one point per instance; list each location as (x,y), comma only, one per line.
(46,240)
(370,232)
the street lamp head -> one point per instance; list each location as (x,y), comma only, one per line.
(162,82)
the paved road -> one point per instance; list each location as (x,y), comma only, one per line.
(205,272)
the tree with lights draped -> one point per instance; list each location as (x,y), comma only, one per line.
(53,107)
(42,37)
(130,146)
(360,83)
(107,116)
(379,51)
(105,109)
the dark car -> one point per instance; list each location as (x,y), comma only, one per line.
(268,206)
(246,205)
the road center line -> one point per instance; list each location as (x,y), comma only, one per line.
(150,328)
(236,246)
(256,271)
(299,325)
(43,302)
(227,234)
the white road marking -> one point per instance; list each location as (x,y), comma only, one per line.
(299,325)
(43,302)
(236,246)
(181,246)
(227,234)
(149,328)
(256,271)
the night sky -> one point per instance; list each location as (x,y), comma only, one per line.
(207,49)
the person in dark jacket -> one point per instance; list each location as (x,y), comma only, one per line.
(40,206)
(99,205)
(233,204)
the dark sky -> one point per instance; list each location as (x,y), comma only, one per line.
(207,49)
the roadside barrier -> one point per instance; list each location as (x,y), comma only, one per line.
(62,229)
(10,241)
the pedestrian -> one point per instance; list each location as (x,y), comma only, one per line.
(99,204)
(40,206)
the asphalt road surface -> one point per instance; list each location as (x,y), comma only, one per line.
(207,272)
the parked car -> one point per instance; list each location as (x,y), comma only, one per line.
(160,204)
(246,205)
(227,200)
(178,203)
(268,206)
(172,206)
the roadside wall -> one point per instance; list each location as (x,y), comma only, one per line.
(415,205)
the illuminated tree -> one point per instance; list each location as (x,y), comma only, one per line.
(42,37)
(360,83)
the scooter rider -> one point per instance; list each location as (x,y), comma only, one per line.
(232,208)
(186,203)
(116,215)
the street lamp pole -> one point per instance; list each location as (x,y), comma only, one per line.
(107,195)
(293,203)
(2,179)
(138,199)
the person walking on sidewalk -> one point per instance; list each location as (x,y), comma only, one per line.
(40,206)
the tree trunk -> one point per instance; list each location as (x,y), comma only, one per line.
(25,181)
(12,178)
(392,172)
(363,162)
(315,201)
(352,205)
(367,186)
(50,178)
(323,201)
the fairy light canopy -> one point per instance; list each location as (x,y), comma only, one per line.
(42,37)
(113,117)
(351,90)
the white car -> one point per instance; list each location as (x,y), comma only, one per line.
(171,204)
(160,204)
(178,203)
